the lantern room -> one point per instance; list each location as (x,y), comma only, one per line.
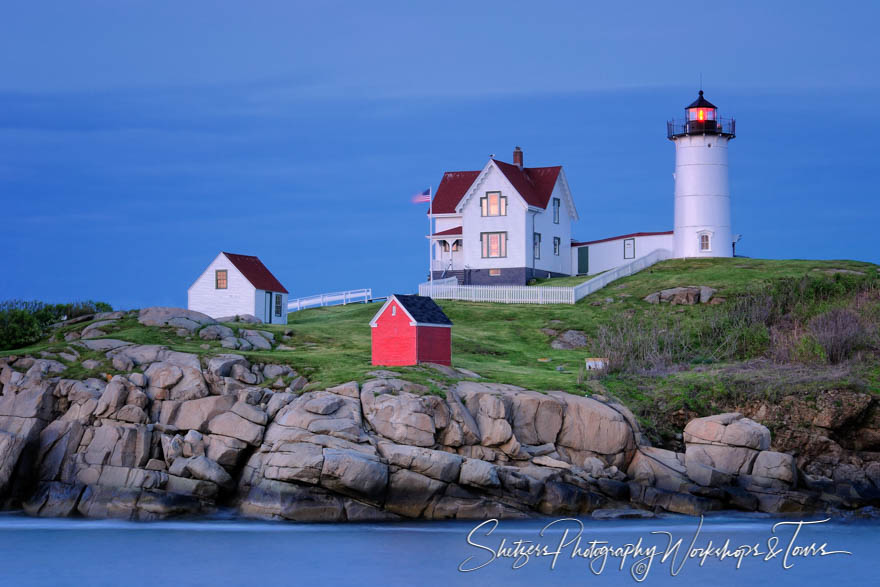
(701,117)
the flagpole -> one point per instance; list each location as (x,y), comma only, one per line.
(430,242)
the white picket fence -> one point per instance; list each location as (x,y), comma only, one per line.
(503,294)
(335,298)
(448,289)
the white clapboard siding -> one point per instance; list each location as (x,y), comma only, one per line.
(448,289)
(331,299)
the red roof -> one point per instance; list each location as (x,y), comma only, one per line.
(448,232)
(451,190)
(614,238)
(534,184)
(255,272)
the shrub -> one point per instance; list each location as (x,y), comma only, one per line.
(839,332)
(18,328)
(23,323)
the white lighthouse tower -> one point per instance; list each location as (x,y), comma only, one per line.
(702,189)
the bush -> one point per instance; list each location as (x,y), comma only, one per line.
(839,332)
(23,323)
(18,328)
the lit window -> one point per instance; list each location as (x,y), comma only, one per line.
(456,246)
(556,204)
(278,305)
(493,204)
(537,243)
(494,244)
(557,244)
(494,272)
(220,279)
(704,242)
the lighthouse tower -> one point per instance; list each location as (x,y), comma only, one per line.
(702,189)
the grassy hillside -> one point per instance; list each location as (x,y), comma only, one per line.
(667,357)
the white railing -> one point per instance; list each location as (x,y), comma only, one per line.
(586,288)
(448,289)
(336,298)
(504,294)
(446,264)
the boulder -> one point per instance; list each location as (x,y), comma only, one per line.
(344,422)
(409,493)
(224,450)
(479,473)
(164,375)
(658,467)
(215,332)
(203,468)
(354,473)
(195,414)
(403,418)
(436,464)
(232,425)
(775,465)
(569,340)
(176,317)
(592,428)
(733,460)
(729,429)
(295,461)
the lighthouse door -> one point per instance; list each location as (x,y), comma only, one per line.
(583,260)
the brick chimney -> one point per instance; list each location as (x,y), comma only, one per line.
(518,157)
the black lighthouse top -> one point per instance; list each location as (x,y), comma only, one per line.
(701,118)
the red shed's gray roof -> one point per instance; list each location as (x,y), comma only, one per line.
(423,309)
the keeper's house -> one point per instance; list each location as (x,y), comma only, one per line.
(408,330)
(502,225)
(236,285)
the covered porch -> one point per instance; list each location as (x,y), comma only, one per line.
(447,252)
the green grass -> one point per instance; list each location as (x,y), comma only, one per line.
(505,343)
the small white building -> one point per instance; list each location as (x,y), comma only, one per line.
(237,285)
(598,256)
(504,224)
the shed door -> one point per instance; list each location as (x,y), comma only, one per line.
(268,319)
(583,260)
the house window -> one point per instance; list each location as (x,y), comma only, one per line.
(537,243)
(456,246)
(394,310)
(705,245)
(278,305)
(494,244)
(220,279)
(556,204)
(494,272)
(445,246)
(493,204)
(557,244)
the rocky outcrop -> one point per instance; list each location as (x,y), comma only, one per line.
(175,434)
(685,296)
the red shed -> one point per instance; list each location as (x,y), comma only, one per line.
(408,330)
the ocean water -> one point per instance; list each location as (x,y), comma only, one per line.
(229,551)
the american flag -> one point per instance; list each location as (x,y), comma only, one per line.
(422,197)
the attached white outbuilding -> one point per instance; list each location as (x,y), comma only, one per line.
(236,285)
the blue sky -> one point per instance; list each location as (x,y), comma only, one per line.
(138,139)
